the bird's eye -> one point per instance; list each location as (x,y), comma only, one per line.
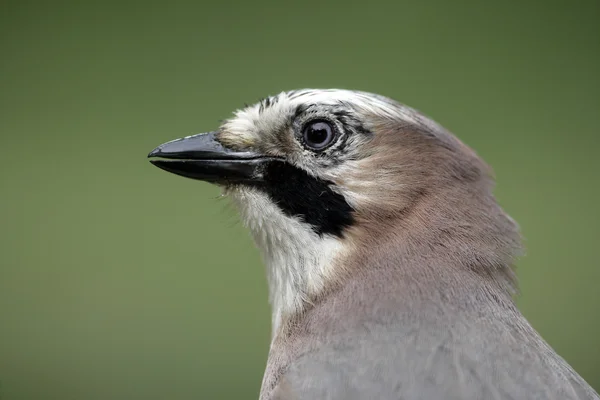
(318,134)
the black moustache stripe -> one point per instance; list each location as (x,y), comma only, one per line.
(304,196)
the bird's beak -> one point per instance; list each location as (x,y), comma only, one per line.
(202,157)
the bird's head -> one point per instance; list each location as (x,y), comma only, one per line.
(325,178)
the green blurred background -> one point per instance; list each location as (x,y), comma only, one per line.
(120,281)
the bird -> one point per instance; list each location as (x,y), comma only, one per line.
(389,262)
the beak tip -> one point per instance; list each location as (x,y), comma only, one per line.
(155,153)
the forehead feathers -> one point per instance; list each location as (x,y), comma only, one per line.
(273,114)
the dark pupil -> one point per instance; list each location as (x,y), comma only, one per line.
(318,133)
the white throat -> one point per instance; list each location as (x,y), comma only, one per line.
(299,262)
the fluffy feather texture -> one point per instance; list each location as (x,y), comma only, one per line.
(413,299)
(389,161)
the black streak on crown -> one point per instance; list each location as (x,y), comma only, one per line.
(299,194)
(267,102)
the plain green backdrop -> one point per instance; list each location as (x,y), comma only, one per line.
(120,281)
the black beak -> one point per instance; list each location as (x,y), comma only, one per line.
(202,157)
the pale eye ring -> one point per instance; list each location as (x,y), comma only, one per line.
(318,134)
